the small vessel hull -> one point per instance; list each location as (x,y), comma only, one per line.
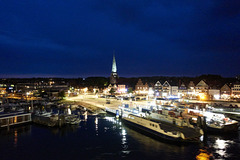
(225,129)
(160,136)
(151,133)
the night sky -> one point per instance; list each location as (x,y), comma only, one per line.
(77,38)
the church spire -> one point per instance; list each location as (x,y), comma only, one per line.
(114,75)
(114,65)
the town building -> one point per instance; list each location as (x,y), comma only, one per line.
(166,89)
(236,90)
(141,88)
(202,87)
(121,88)
(158,89)
(191,90)
(225,91)
(214,93)
(182,90)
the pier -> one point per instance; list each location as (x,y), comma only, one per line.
(10,119)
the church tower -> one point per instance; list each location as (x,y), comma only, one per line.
(114,76)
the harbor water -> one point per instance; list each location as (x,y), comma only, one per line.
(105,138)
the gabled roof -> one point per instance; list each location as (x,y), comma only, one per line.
(191,84)
(166,84)
(139,82)
(225,85)
(146,84)
(202,83)
(182,85)
(158,84)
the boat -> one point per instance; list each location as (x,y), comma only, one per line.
(212,122)
(170,117)
(163,131)
(100,113)
(72,119)
(1,109)
(46,119)
(218,123)
(124,111)
(233,113)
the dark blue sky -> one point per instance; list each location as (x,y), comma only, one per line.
(76,38)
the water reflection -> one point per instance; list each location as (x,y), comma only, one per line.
(14,135)
(15,138)
(96,125)
(124,140)
(222,147)
(153,148)
(108,138)
(204,155)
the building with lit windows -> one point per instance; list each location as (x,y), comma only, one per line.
(202,87)
(236,90)
(158,89)
(141,88)
(225,91)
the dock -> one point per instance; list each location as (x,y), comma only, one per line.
(10,119)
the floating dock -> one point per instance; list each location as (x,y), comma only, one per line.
(15,118)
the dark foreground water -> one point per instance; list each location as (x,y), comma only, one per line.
(104,138)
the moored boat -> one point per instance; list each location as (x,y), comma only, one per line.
(212,122)
(163,131)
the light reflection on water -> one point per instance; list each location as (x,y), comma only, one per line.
(214,147)
(15,138)
(106,138)
(223,146)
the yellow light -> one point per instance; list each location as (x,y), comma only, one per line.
(202,96)
(85,89)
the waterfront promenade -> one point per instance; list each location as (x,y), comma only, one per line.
(91,101)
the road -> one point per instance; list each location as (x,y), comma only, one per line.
(101,102)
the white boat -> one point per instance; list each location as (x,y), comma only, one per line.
(212,122)
(169,117)
(163,131)
(134,111)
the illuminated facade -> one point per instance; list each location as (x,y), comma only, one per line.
(191,89)
(225,91)
(182,90)
(141,88)
(166,89)
(158,89)
(214,94)
(121,89)
(236,89)
(202,87)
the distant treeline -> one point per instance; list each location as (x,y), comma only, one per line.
(101,82)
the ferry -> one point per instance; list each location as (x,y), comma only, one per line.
(170,117)
(163,131)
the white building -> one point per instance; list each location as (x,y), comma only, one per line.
(214,93)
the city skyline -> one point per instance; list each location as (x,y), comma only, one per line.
(150,38)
